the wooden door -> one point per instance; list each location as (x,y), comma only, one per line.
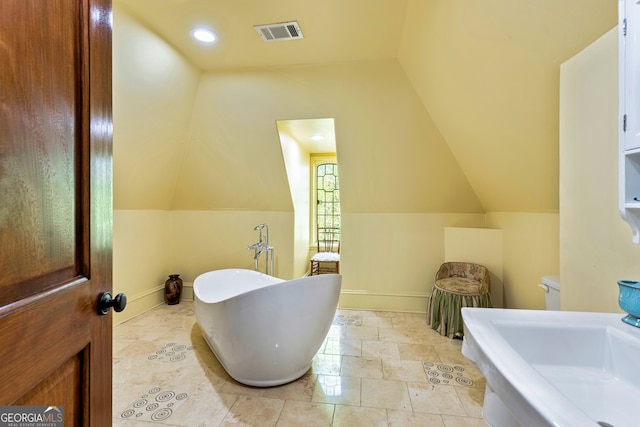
(55,206)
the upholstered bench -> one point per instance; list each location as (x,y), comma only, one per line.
(457,285)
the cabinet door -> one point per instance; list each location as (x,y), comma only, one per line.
(630,72)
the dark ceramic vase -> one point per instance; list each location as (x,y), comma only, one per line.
(173,289)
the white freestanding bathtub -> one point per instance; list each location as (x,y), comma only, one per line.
(265,331)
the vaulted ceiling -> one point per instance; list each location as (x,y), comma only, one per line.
(486,71)
(334,30)
(356,30)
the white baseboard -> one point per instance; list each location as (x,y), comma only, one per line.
(357,299)
(412,302)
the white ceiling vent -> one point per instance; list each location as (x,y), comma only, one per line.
(279,31)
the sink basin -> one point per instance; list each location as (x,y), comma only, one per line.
(555,368)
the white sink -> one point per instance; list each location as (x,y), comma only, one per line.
(555,368)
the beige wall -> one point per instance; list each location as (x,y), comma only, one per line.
(531,251)
(478,245)
(298,164)
(382,130)
(389,260)
(211,240)
(595,243)
(518,248)
(492,88)
(142,258)
(153,92)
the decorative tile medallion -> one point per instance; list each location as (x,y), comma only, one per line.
(440,373)
(342,320)
(154,405)
(171,352)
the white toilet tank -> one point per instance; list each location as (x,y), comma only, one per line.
(551,286)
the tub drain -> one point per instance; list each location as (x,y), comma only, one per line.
(605,424)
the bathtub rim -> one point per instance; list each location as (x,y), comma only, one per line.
(269,281)
(202,280)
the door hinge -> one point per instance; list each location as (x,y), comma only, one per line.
(624,27)
(624,123)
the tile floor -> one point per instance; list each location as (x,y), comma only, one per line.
(374,369)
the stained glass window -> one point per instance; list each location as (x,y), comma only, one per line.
(328,196)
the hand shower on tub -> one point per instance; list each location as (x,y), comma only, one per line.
(263,246)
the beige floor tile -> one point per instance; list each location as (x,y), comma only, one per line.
(236,388)
(378,321)
(451,352)
(252,411)
(307,414)
(479,382)
(472,399)
(425,335)
(352,416)
(454,421)
(435,399)
(411,334)
(361,367)
(213,370)
(390,314)
(354,313)
(368,372)
(419,352)
(337,389)
(410,320)
(339,331)
(131,364)
(380,350)
(327,364)
(159,323)
(301,389)
(120,344)
(349,347)
(413,419)
(385,394)
(403,370)
(395,335)
(205,407)
(362,333)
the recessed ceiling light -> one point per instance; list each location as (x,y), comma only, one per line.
(204,35)
(317,137)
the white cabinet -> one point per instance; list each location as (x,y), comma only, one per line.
(629,84)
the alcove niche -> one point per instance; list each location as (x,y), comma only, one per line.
(299,139)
